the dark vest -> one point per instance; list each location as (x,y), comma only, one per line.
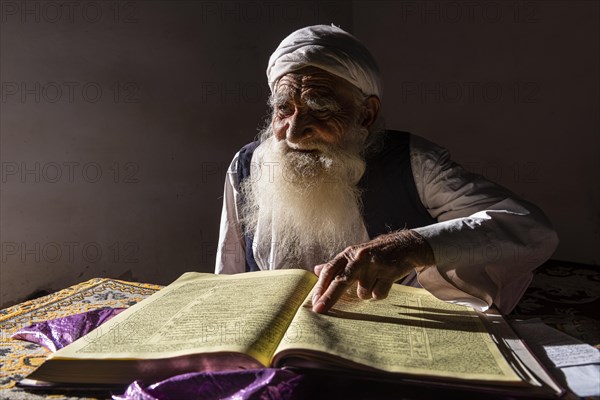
(389,195)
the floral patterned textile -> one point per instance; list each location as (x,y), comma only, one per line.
(565,296)
(19,358)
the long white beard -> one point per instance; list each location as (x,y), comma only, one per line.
(302,208)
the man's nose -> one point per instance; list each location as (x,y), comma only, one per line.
(300,127)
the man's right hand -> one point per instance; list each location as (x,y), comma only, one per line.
(376,265)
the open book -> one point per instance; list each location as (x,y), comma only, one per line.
(206,322)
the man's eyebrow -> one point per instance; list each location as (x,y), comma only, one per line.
(326,102)
(313,101)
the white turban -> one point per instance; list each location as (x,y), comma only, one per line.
(330,49)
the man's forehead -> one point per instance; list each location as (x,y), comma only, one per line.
(312,82)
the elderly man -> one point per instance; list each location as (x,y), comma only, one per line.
(325,188)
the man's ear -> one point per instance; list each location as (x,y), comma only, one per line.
(370,111)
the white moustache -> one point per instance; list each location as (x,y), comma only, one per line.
(307,147)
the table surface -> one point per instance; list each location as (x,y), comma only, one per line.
(564,295)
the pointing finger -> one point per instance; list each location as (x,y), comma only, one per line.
(326,273)
(338,285)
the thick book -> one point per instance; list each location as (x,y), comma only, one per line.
(206,322)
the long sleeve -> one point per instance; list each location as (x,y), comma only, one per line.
(231,248)
(487,241)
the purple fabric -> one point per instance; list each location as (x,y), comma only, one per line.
(259,384)
(263,384)
(57,333)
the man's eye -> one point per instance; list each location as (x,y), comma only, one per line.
(284,109)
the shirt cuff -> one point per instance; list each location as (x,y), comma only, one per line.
(431,279)
(442,280)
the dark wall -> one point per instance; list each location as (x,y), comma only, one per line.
(510,88)
(118,119)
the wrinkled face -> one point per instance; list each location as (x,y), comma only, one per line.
(312,110)
(314,144)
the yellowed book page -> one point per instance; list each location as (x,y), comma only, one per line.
(202,313)
(409,332)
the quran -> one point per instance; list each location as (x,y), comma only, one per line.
(206,322)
